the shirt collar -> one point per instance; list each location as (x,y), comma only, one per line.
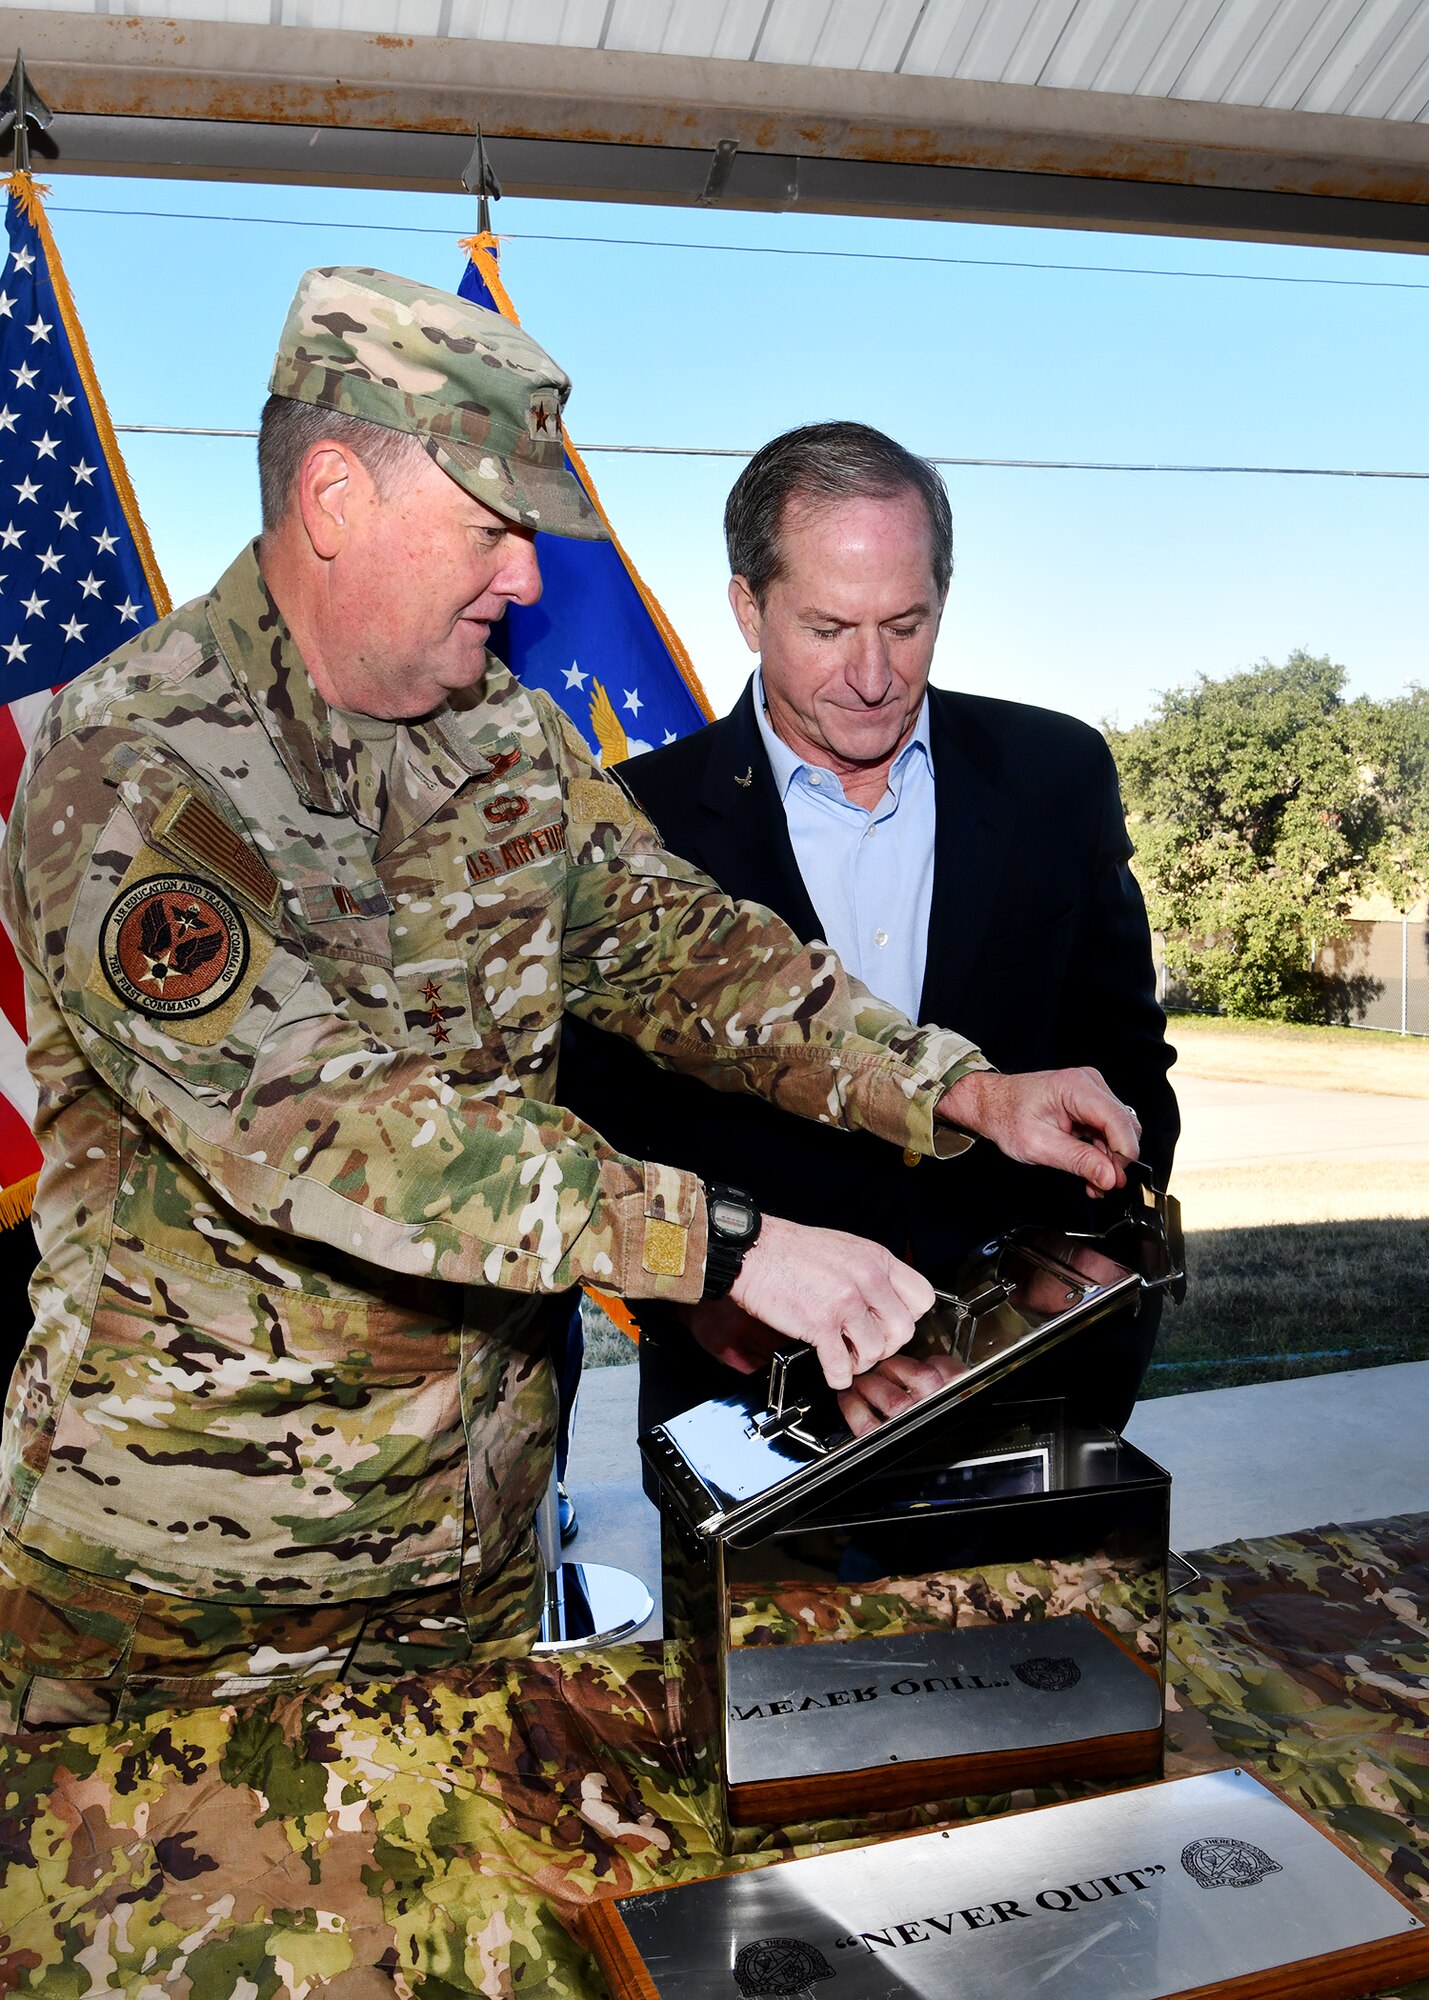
(324,749)
(786,764)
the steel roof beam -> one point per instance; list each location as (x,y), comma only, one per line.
(229,101)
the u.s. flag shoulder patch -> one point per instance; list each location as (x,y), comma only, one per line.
(174,946)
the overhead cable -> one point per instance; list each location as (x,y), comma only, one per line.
(933,458)
(762,249)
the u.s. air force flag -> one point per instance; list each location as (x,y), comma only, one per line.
(77,574)
(597,641)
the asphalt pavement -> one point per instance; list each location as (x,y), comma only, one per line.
(1242,1124)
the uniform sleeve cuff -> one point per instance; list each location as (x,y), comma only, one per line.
(929,1136)
(660,1232)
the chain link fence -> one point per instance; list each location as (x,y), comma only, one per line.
(1377,976)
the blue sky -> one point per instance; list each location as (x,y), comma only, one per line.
(1083,591)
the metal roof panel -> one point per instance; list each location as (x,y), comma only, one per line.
(1413,101)
(1378,81)
(1086,42)
(941,38)
(1313,52)
(889,42)
(644,25)
(791,31)
(1357,58)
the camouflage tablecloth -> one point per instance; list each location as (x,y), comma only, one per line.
(432,1838)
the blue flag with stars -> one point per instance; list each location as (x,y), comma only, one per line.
(78,574)
(597,641)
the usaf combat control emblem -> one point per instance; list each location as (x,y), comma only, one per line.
(1227,1864)
(173,946)
(1049,1676)
(782,1967)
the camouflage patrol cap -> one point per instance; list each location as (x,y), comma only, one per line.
(483,398)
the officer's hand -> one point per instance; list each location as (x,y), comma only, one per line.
(893,1386)
(1063,1118)
(726,1332)
(850,1300)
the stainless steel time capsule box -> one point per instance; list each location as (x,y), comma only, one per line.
(967,1599)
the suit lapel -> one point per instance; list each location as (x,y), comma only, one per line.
(746,837)
(974,824)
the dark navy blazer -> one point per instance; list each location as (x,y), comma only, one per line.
(1038,950)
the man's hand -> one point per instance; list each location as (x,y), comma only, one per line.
(1063,1118)
(895,1385)
(727,1333)
(852,1301)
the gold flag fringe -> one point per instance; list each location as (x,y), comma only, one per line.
(29,194)
(16,1202)
(616,1311)
(482,250)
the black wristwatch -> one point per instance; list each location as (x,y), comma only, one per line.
(734,1224)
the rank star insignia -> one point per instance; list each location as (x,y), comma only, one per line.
(540,417)
(436,1015)
(1227,1864)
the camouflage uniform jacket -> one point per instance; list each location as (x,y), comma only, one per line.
(294,1011)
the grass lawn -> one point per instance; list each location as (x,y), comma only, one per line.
(1304,1266)
(1302,1299)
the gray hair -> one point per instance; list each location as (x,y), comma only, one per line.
(823,465)
(287,432)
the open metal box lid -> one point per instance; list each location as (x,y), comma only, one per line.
(757,1458)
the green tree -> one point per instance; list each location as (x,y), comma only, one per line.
(1392,746)
(1261,805)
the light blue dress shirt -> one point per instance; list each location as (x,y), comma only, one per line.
(869,874)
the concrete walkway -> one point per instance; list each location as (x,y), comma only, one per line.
(1240,1124)
(1272,1457)
(1261,1460)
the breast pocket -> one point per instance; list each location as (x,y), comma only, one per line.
(345,935)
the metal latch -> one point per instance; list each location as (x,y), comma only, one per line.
(788,1410)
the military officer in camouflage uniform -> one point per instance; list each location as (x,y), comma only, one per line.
(303,881)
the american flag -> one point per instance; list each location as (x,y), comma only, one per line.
(597,642)
(77,574)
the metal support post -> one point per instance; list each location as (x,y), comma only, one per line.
(587,1604)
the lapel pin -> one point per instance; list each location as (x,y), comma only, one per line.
(747,780)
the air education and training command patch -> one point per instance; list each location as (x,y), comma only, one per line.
(173,946)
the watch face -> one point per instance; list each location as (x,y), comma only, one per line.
(730,1218)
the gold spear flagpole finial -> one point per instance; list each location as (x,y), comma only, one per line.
(20,103)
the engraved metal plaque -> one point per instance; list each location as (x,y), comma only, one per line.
(1210,1883)
(803,1711)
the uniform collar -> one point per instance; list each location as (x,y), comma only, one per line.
(786,764)
(323,749)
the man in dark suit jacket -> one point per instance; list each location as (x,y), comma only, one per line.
(1036,942)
